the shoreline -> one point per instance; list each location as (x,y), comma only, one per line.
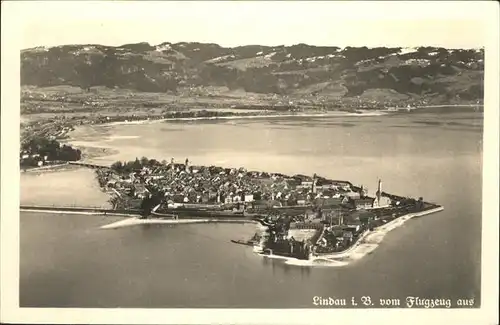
(90,152)
(361,112)
(257,116)
(48,168)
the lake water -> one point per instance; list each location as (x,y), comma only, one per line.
(67,261)
(58,188)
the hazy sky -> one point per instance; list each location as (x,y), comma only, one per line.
(447,24)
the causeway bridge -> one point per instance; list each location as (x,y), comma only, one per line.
(89,165)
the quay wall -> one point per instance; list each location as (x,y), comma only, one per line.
(181,215)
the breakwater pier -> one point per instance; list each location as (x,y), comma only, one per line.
(80,210)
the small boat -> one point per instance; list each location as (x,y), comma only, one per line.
(242,242)
(267,251)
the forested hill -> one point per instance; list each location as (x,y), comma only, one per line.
(285,70)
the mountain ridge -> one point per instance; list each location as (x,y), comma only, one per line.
(328,73)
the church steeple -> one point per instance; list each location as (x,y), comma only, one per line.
(314,184)
(379,191)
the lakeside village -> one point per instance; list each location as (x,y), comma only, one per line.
(58,127)
(303,215)
(82,111)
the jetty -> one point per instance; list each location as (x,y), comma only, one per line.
(80,210)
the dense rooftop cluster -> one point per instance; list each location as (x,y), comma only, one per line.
(184,184)
(333,214)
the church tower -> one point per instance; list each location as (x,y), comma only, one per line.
(172,165)
(379,191)
(314,184)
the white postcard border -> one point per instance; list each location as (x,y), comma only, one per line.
(12,17)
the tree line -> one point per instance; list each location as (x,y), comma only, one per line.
(131,166)
(42,149)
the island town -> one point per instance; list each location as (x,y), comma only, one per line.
(303,215)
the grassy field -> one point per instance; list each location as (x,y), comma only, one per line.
(67,99)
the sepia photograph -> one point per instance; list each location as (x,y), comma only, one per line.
(249,162)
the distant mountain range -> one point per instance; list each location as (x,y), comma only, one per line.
(424,72)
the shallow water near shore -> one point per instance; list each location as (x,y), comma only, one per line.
(68,261)
(62,187)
